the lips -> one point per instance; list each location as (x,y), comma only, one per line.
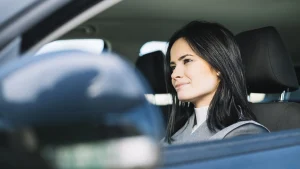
(180,85)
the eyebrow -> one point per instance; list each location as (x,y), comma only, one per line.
(181,57)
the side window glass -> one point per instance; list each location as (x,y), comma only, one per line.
(256,97)
(153,46)
(263,98)
(94,46)
(159,99)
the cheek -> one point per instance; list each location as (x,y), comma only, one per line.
(205,82)
(209,84)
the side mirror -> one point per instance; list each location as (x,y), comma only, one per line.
(77,110)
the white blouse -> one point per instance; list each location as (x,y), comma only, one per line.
(201,115)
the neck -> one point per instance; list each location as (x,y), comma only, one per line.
(202,106)
(204,100)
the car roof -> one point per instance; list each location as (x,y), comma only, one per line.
(134,22)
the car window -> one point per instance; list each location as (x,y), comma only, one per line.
(153,46)
(256,97)
(159,99)
(94,46)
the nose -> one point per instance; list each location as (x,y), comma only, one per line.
(177,73)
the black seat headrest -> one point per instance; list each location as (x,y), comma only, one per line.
(297,69)
(76,88)
(151,65)
(268,66)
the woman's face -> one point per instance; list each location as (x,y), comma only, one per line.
(193,78)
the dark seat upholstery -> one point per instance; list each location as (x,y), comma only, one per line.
(297,69)
(269,69)
(151,65)
(295,95)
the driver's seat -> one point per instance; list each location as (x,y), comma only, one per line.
(269,69)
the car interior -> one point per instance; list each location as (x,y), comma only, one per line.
(134,36)
(128,25)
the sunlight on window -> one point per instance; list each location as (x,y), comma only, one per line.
(153,46)
(159,99)
(94,46)
(166,99)
(256,97)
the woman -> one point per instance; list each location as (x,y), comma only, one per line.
(206,79)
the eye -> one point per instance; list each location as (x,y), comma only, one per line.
(187,61)
(172,67)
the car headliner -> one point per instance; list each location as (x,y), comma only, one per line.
(131,23)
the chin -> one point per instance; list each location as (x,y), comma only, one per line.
(184,98)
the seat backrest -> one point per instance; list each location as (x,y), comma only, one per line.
(295,95)
(269,69)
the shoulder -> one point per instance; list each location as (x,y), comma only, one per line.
(239,129)
(180,135)
(246,128)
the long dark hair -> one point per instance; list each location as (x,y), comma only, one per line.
(217,46)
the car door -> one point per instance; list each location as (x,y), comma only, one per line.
(274,150)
